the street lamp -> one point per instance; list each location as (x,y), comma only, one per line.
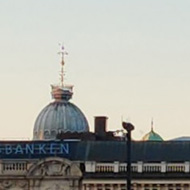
(128,127)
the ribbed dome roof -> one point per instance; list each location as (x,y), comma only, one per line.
(59,116)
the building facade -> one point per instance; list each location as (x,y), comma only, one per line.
(93,165)
(65,155)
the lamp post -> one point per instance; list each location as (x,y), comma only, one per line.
(128,127)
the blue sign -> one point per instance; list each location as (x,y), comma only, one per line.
(41,148)
(33,149)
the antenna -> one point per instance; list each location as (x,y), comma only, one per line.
(62,52)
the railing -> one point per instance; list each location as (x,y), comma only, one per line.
(20,167)
(123,167)
(111,167)
(175,168)
(14,168)
(104,167)
(139,167)
(151,168)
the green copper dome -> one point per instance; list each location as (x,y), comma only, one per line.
(152,136)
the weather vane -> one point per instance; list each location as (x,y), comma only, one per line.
(62,52)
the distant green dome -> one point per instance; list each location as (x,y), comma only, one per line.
(152,136)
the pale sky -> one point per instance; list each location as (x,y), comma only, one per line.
(127,59)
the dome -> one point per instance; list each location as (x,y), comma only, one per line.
(152,136)
(59,116)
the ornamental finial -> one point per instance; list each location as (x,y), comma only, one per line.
(62,92)
(62,52)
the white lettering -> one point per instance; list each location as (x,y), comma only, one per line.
(8,149)
(18,149)
(52,148)
(41,148)
(34,148)
(29,148)
(64,149)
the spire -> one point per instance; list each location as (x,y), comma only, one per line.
(62,52)
(152,125)
(62,92)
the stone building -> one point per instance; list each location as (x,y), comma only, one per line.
(65,155)
(93,165)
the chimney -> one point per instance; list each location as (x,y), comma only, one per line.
(100,125)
